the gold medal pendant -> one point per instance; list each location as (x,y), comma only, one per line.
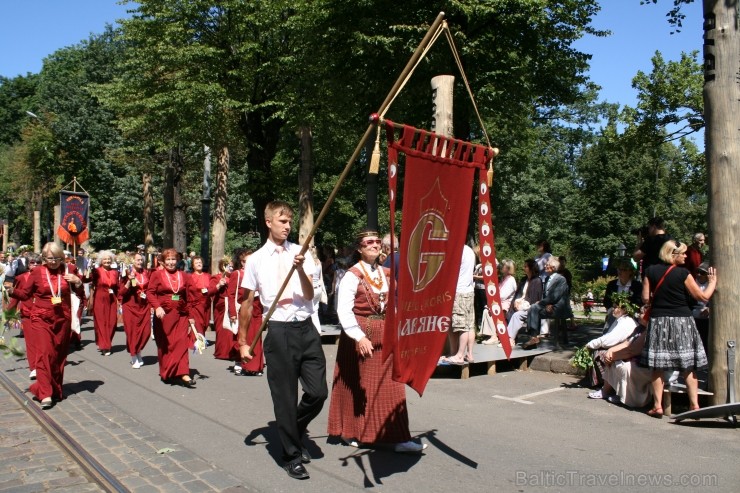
(56,300)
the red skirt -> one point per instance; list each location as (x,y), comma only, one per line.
(105,317)
(51,330)
(366,404)
(137,324)
(173,344)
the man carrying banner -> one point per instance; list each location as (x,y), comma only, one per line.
(292,347)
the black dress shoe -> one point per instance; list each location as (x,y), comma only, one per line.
(296,470)
(305,456)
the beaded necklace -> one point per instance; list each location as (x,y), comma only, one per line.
(376,283)
(177,276)
(379,306)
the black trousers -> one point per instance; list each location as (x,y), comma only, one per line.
(293,353)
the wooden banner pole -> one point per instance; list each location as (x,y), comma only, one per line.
(373,123)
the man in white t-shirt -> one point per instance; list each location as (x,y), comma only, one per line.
(463,312)
(293,345)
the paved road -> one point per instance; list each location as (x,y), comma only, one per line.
(514,431)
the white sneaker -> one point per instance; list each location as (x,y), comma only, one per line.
(139,359)
(237,370)
(410,446)
(32,375)
(351,442)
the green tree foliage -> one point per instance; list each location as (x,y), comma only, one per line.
(670,101)
(247,75)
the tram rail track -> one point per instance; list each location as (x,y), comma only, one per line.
(97,474)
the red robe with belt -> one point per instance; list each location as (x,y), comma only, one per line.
(169,291)
(105,306)
(137,314)
(51,323)
(200,301)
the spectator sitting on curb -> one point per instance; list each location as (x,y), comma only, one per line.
(619,331)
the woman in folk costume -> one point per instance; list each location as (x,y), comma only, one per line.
(49,286)
(137,314)
(367,406)
(174,328)
(199,295)
(220,289)
(24,308)
(104,281)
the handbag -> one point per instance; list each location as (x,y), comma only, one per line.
(226,324)
(646,314)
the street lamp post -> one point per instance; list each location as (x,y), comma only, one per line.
(621,250)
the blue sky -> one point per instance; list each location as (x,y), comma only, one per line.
(33,29)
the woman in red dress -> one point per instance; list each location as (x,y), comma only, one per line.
(220,289)
(253,367)
(104,281)
(24,309)
(367,406)
(49,286)
(174,328)
(137,314)
(199,295)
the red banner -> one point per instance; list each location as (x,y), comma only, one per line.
(75,208)
(437,193)
(488,262)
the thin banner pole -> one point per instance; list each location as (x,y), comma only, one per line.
(373,123)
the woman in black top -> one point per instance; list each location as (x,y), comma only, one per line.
(672,341)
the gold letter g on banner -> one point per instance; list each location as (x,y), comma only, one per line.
(426,252)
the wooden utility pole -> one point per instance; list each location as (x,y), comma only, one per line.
(722,153)
(442,124)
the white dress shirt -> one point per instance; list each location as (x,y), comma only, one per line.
(261,274)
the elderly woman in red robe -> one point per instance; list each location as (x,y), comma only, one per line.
(174,328)
(137,314)
(49,286)
(104,282)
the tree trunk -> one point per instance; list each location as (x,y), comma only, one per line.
(721,97)
(168,202)
(179,224)
(205,210)
(262,135)
(305,185)
(146,180)
(219,209)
